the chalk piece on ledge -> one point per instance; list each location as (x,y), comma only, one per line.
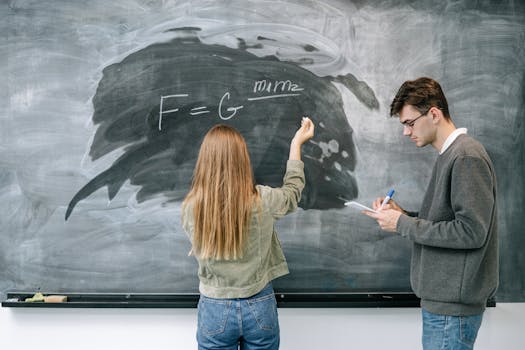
(38,297)
(55,299)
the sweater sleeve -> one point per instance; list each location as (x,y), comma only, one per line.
(472,200)
(283,200)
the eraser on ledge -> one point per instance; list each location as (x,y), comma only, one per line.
(55,299)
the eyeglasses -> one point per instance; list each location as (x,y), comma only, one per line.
(410,123)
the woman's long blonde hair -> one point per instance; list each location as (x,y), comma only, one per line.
(223,194)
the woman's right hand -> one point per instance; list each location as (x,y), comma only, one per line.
(305,132)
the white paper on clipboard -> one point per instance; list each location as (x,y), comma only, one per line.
(359,206)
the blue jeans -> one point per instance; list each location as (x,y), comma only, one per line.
(443,332)
(246,324)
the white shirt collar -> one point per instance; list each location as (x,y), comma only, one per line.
(451,138)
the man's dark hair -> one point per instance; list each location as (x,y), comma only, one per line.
(422,93)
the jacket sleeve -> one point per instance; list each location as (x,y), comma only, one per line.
(283,200)
(473,203)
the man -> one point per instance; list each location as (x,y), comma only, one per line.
(454,267)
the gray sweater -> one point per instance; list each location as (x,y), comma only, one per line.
(454,267)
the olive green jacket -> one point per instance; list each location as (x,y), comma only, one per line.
(263,258)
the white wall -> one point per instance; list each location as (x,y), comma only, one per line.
(301,329)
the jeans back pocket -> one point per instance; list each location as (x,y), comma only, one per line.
(264,310)
(213,315)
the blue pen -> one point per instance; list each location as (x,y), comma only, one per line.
(387,198)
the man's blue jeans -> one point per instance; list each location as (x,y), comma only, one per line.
(247,323)
(443,332)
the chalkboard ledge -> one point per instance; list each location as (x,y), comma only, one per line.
(284,300)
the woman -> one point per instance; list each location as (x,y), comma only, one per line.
(230,222)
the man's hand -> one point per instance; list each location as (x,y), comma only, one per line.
(386,218)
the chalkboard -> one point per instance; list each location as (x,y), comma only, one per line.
(104,105)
